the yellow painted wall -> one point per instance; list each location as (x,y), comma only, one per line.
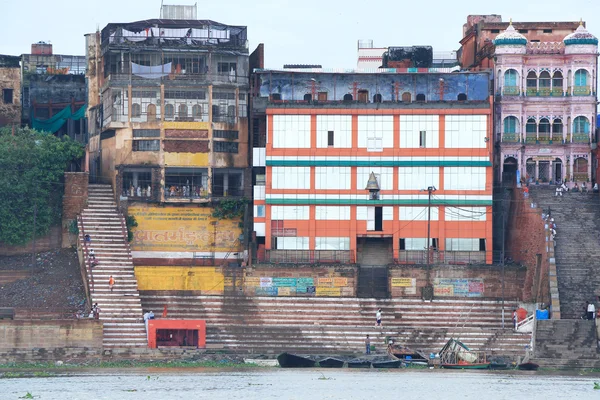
(181,228)
(186,125)
(186,159)
(205,279)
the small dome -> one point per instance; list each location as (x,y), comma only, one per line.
(581,36)
(510,37)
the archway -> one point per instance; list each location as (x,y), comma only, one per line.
(509,169)
(580,169)
(530,170)
(406,97)
(558,175)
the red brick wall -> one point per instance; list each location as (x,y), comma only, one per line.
(186,134)
(186,146)
(526,239)
(74,201)
(490,274)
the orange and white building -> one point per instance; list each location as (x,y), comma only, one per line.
(322,137)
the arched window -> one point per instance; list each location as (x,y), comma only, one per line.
(276,97)
(581,125)
(197,111)
(377,98)
(151,113)
(182,111)
(169,110)
(363,96)
(531,126)
(406,97)
(511,125)
(531,81)
(544,127)
(136,110)
(510,78)
(557,80)
(348,97)
(420,97)
(581,76)
(545,79)
(557,126)
(308,97)
(461,97)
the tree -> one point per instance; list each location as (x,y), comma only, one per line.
(32,166)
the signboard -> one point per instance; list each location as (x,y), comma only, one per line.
(286,291)
(266,282)
(266,291)
(443,290)
(279,282)
(284,232)
(402,282)
(328,291)
(337,282)
(325,282)
(458,287)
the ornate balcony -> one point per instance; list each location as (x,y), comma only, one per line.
(511,138)
(581,91)
(511,91)
(581,138)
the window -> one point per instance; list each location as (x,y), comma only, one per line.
(531,126)
(531,80)
(420,97)
(581,125)
(197,111)
(322,96)
(544,126)
(547,31)
(186,183)
(406,97)
(581,77)
(461,97)
(228,182)
(225,147)
(523,31)
(511,124)
(332,243)
(136,110)
(7,96)
(145,145)
(151,113)
(348,97)
(495,30)
(545,79)
(169,110)
(276,97)
(182,111)
(223,95)
(137,182)
(139,133)
(307,97)
(377,98)
(422,139)
(225,134)
(363,96)
(557,80)
(227,68)
(260,211)
(329,138)
(510,78)
(557,126)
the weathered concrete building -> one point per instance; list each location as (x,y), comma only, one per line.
(10,86)
(169,126)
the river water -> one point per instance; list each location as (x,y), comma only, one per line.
(266,384)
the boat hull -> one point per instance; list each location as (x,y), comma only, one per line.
(387,364)
(331,362)
(528,366)
(467,366)
(287,360)
(359,364)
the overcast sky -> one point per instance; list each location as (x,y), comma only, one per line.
(294,32)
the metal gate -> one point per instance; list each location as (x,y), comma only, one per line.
(373,282)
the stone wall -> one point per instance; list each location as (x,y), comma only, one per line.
(458,281)
(526,240)
(568,343)
(45,243)
(74,201)
(23,340)
(301,280)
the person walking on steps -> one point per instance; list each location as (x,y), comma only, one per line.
(111,283)
(378,318)
(368,345)
(591,311)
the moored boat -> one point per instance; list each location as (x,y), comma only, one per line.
(288,360)
(455,355)
(528,366)
(387,364)
(465,365)
(331,362)
(359,363)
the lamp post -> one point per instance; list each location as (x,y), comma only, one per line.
(430,189)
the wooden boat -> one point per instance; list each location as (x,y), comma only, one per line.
(331,362)
(498,365)
(288,360)
(406,354)
(387,364)
(358,363)
(455,355)
(528,366)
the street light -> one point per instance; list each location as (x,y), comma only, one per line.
(428,287)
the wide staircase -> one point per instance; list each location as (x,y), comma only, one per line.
(121,309)
(566,344)
(270,325)
(577,246)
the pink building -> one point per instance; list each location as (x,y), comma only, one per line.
(546,106)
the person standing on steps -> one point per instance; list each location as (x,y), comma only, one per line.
(514,318)
(111,283)
(591,311)
(378,317)
(368,345)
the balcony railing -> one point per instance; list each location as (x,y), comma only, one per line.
(419,257)
(531,91)
(581,91)
(308,257)
(581,138)
(531,138)
(511,91)
(511,138)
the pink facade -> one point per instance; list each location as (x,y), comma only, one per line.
(546,106)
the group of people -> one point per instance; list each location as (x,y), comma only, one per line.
(184,191)
(563,188)
(139,191)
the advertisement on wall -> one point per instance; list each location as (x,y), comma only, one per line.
(302,286)
(457,287)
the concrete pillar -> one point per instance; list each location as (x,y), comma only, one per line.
(589,167)
(571,174)
(537,170)
(550,171)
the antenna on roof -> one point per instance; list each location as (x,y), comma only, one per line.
(161,8)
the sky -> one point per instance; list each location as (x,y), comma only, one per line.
(294,32)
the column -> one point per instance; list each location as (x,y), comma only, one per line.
(550,172)
(537,170)
(571,175)
(589,171)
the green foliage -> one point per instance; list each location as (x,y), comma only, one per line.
(33,166)
(230,208)
(596,386)
(131,223)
